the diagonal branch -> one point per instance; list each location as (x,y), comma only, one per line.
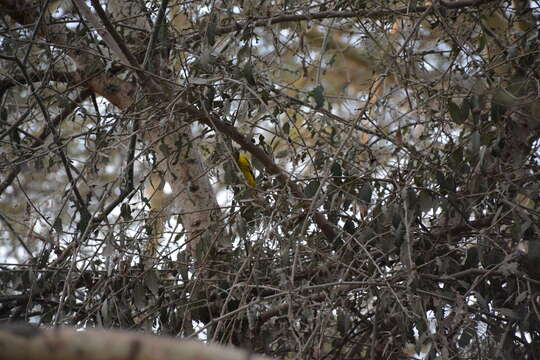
(110,36)
(115,41)
(231,132)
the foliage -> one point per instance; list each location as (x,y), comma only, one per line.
(395,151)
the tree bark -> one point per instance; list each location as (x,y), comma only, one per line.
(25,342)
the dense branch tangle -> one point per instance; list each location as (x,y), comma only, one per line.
(390,141)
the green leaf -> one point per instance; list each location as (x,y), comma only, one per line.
(318,95)
(456,158)
(466,107)
(247,73)
(125,212)
(425,200)
(509,313)
(57,225)
(211,33)
(365,193)
(533,254)
(455,112)
(286,128)
(343,323)
(412,198)
(481,300)
(152,282)
(446,183)
(466,337)
(244,53)
(497,111)
(396,217)
(349,226)
(163,37)
(3,116)
(165,149)
(481,43)
(336,170)
(475,142)
(399,236)
(311,188)
(472,258)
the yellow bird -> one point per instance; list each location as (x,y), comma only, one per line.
(245,167)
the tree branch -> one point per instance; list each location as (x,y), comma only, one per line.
(20,342)
(259,154)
